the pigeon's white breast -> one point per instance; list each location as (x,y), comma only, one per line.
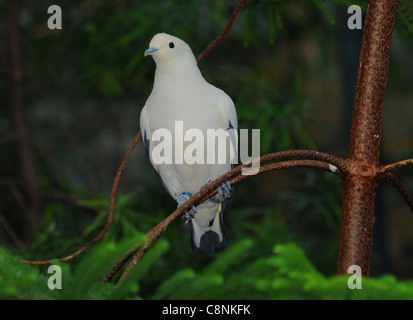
(197,108)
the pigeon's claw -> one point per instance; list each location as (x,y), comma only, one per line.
(225,190)
(181,199)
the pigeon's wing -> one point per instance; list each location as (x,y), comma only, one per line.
(226,109)
(146,133)
(229,120)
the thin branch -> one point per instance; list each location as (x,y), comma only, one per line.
(335,162)
(331,164)
(396,165)
(234,176)
(402,190)
(224,32)
(111,209)
(121,262)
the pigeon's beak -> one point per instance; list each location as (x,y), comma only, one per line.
(150,51)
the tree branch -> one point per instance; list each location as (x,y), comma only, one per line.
(224,32)
(402,190)
(396,165)
(110,213)
(234,176)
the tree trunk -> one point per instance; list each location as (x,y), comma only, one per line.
(361,178)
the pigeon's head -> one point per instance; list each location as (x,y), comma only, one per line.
(168,50)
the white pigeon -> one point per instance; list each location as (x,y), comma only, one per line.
(180,93)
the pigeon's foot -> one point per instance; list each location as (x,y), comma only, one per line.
(181,199)
(225,190)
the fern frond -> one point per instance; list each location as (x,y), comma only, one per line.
(326,13)
(404,20)
(275,20)
(252,12)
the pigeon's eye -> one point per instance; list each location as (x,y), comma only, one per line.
(171,45)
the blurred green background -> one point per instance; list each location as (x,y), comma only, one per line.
(290,68)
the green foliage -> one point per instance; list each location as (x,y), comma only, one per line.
(274,20)
(276,115)
(18,280)
(275,10)
(405,17)
(314,211)
(326,13)
(286,273)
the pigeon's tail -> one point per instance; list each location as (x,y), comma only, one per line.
(207,230)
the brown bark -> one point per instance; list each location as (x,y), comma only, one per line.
(362,175)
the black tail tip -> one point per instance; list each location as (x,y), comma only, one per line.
(209,243)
